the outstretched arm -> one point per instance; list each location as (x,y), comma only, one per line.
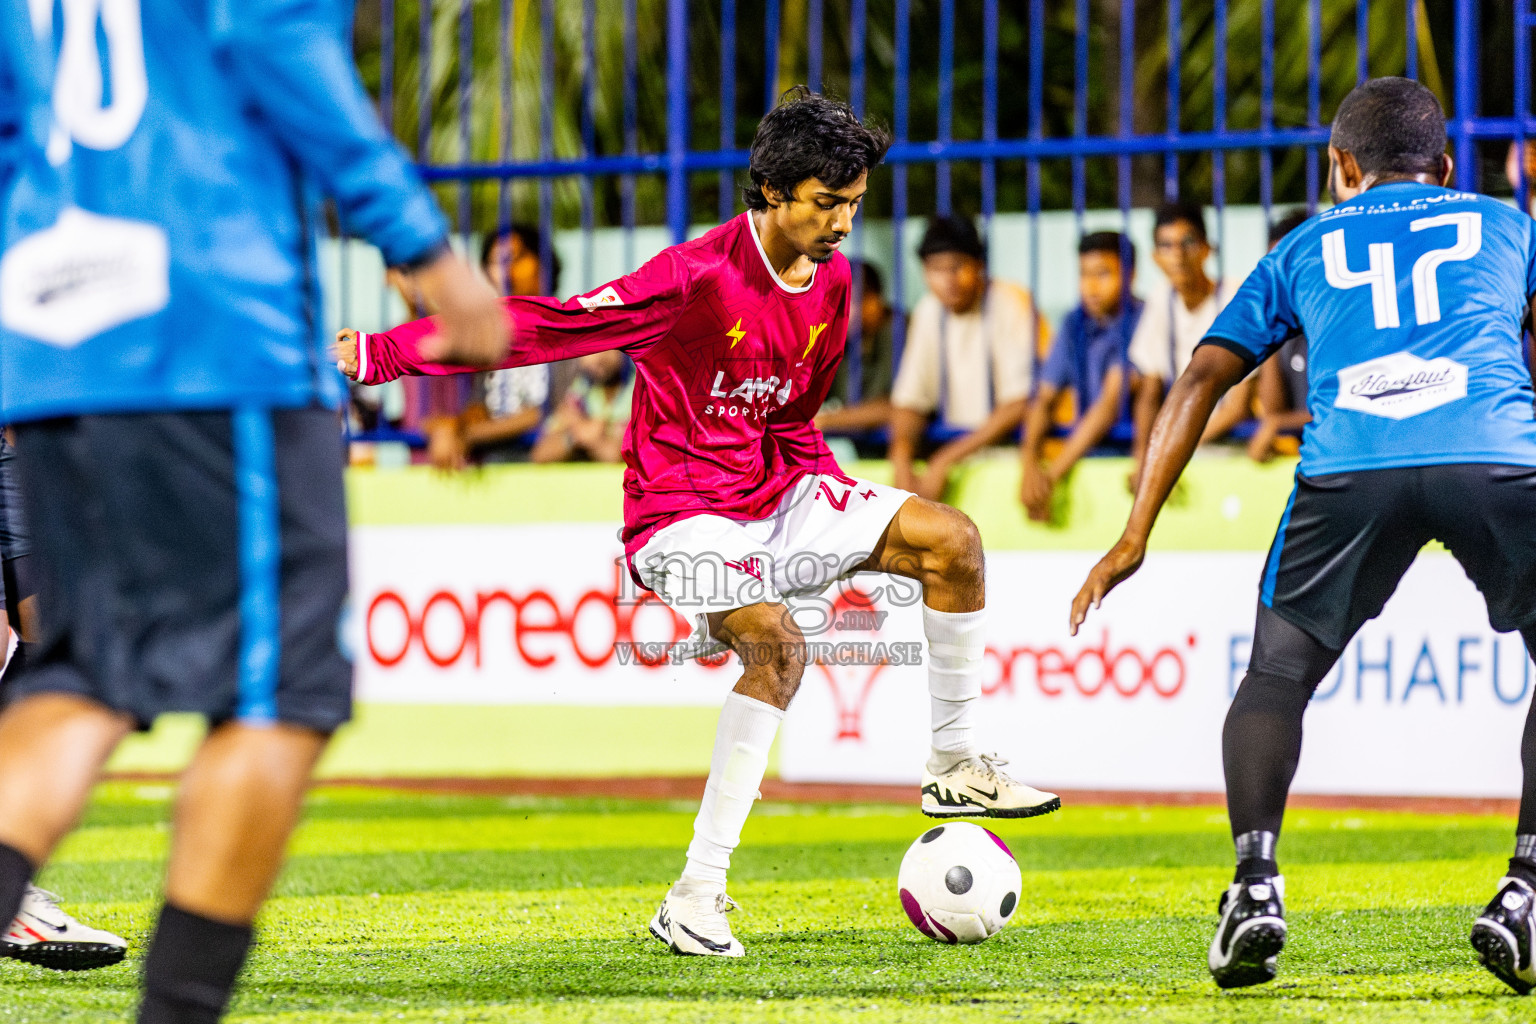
(631,313)
(1175,435)
(1248,331)
(293,64)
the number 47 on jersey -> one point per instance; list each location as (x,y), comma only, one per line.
(1381,273)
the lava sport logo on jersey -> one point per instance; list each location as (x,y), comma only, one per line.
(749,398)
(1401,385)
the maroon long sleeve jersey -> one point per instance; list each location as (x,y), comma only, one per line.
(731,365)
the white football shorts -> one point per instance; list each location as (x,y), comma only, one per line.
(820,533)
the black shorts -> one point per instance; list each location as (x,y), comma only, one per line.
(15,542)
(1346,539)
(191,562)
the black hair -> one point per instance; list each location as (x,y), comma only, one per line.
(1111,242)
(810,136)
(1285,224)
(1391,126)
(873,282)
(952,233)
(533,241)
(1181,211)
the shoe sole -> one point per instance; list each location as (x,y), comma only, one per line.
(1053,804)
(1497,957)
(666,940)
(1251,952)
(659,935)
(65,956)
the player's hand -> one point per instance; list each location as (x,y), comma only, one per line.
(1113,569)
(473,326)
(345,352)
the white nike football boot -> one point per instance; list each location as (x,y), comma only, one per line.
(978,788)
(44,935)
(691,921)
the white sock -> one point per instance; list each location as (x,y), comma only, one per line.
(12,641)
(955,662)
(742,740)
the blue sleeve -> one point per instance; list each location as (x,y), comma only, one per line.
(1057,368)
(1530,257)
(291,59)
(15,33)
(1260,317)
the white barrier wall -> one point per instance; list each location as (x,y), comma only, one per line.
(1426,700)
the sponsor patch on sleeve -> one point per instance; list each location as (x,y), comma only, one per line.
(605,297)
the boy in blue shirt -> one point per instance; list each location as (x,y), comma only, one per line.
(1412,298)
(1087,358)
(175,406)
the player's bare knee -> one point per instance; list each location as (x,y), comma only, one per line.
(957,553)
(786,671)
(779,658)
(771,648)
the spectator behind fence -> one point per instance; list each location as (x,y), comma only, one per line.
(1512,172)
(506,406)
(1087,358)
(872,410)
(968,360)
(1282,377)
(589,424)
(1179,311)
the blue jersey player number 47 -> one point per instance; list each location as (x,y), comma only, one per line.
(1403,384)
(1412,299)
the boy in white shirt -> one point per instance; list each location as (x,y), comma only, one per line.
(1177,315)
(969,358)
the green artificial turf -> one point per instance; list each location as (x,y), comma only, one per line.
(424,908)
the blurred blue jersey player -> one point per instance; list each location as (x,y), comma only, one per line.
(174,404)
(1413,299)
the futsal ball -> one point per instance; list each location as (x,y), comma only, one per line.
(959,883)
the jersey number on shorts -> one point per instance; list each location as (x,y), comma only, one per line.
(78,87)
(1380,274)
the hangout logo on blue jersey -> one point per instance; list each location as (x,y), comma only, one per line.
(1401,385)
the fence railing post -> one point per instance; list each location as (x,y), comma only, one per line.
(1467,65)
(677,118)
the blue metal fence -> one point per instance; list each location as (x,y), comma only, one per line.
(1188,74)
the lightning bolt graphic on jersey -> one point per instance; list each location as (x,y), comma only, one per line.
(736,333)
(815,335)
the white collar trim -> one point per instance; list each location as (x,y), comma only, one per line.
(752,227)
